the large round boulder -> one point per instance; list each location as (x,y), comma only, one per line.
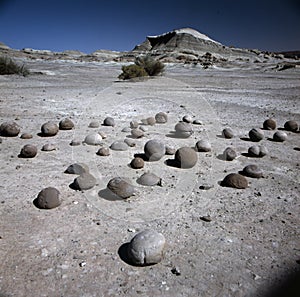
(154,150)
(186,157)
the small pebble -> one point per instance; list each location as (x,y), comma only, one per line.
(130,142)
(134,124)
(26,136)
(48,147)
(137,163)
(75,142)
(94,124)
(197,122)
(187,119)
(175,270)
(170,150)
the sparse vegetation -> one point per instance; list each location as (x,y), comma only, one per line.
(143,66)
(9,66)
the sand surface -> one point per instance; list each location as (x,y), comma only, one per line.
(252,242)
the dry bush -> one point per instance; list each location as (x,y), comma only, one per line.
(8,66)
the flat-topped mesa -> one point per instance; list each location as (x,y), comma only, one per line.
(180,39)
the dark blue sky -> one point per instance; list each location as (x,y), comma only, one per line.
(88,25)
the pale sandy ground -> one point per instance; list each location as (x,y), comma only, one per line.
(252,243)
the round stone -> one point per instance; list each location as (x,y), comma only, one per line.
(161,118)
(229,154)
(203,145)
(154,150)
(228,133)
(103,151)
(94,124)
(146,248)
(130,142)
(235,180)
(84,181)
(26,136)
(48,147)
(93,139)
(186,157)
(256,134)
(269,124)
(263,151)
(151,121)
(257,151)
(291,126)
(49,129)
(187,119)
(149,179)
(137,163)
(253,171)
(120,187)
(119,145)
(134,124)
(77,168)
(28,151)
(280,136)
(109,121)
(137,133)
(48,198)
(66,124)
(9,129)
(183,129)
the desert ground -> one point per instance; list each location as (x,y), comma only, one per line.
(220,241)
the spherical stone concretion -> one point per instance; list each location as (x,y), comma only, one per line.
(228,133)
(256,134)
(9,129)
(154,150)
(269,124)
(203,145)
(146,248)
(149,179)
(161,118)
(235,180)
(186,157)
(66,124)
(77,168)
(137,163)
(280,136)
(49,129)
(120,187)
(291,126)
(48,198)
(28,151)
(84,181)
(253,171)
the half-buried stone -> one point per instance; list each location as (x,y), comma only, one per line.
(183,129)
(119,145)
(161,118)
(109,121)
(84,181)
(77,168)
(28,151)
(291,126)
(103,151)
(146,248)
(48,147)
(94,124)
(203,145)
(9,129)
(258,151)
(48,198)
(120,187)
(269,124)
(187,119)
(228,133)
(49,129)
(137,133)
(93,139)
(137,163)
(229,154)
(256,134)
(154,150)
(26,136)
(280,136)
(185,157)
(66,124)
(149,179)
(253,171)
(235,180)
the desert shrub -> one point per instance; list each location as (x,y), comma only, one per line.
(8,66)
(132,71)
(143,66)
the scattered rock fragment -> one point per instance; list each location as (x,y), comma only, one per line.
(186,157)
(103,151)
(9,129)
(84,181)
(121,187)
(256,134)
(154,150)
(66,124)
(137,133)
(26,136)
(49,129)
(253,171)
(28,151)
(77,168)
(146,248)
(161,118)
(102,134)
(109,121)
(149,179)
(235,180)
(48,198)
(119,145)
(170,150)
(228,133)
(197,122)
(134,124)
(291,126)
(126,130)
(137,163)
(229,154)
(75,142)
(269,124)
(149,121)
(130,142)
(280,136)
(257,151)
(187,119)
(203,145)
(93,139)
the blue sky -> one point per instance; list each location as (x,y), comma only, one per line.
(88,25)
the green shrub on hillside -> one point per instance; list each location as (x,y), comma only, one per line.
(143,66)
(8,66)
